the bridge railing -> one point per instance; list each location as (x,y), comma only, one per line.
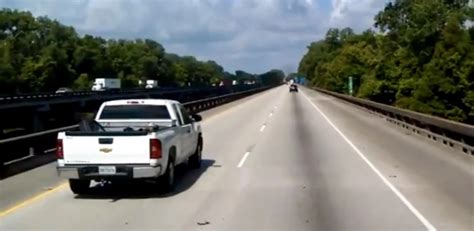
(453,134)
(33,97)
(40,144)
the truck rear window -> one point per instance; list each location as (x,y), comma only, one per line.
(135,112)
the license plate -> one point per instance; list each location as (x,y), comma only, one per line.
(107,170)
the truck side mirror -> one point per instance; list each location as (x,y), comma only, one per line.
(174,123)
(196,117)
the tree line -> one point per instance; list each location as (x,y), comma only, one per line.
(41,54)
(420,58)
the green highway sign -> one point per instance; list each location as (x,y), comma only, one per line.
(351,86)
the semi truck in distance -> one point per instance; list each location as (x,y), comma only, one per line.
(104,84)
(148,84)
(228,82)
(151,84)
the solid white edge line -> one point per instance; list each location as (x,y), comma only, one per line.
(262,128)
(405,201)
(243,159)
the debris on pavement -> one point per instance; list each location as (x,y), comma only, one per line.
(204,223)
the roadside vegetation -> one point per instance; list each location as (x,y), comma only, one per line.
(38,54)
(420,56)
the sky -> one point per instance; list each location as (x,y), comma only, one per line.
(250,35)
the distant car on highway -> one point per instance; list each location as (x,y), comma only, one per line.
(63,90)
(130,139)
(293,88)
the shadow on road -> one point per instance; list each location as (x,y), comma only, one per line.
(185,179)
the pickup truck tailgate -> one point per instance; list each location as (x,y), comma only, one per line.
(106,150)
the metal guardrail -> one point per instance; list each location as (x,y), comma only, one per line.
(18,101)
(48,95)
(36,100)
(9,99)
(33,145)
(454,134)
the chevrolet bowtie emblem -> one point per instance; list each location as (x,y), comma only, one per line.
(105,150)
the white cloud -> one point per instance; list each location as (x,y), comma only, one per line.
(254,35)
(358,14)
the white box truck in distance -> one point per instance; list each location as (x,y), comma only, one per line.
(151,83)
(103,84)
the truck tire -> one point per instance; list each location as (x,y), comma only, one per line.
(79,186)
(167,181)
(196,159)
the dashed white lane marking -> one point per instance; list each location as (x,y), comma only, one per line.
(271,114)
(405,201)
(262,128)
(241,163)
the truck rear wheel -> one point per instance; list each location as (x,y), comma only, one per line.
(167,181)
(79,186)
(196,159)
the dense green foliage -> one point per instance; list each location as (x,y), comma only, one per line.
(422,59)
(271,77)
(39,54)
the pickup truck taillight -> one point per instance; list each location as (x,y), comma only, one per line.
(155,149)
(59,149)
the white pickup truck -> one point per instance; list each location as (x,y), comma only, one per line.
(130,139)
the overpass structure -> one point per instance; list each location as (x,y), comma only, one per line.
(275,160)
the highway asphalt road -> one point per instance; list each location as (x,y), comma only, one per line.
(273,161)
